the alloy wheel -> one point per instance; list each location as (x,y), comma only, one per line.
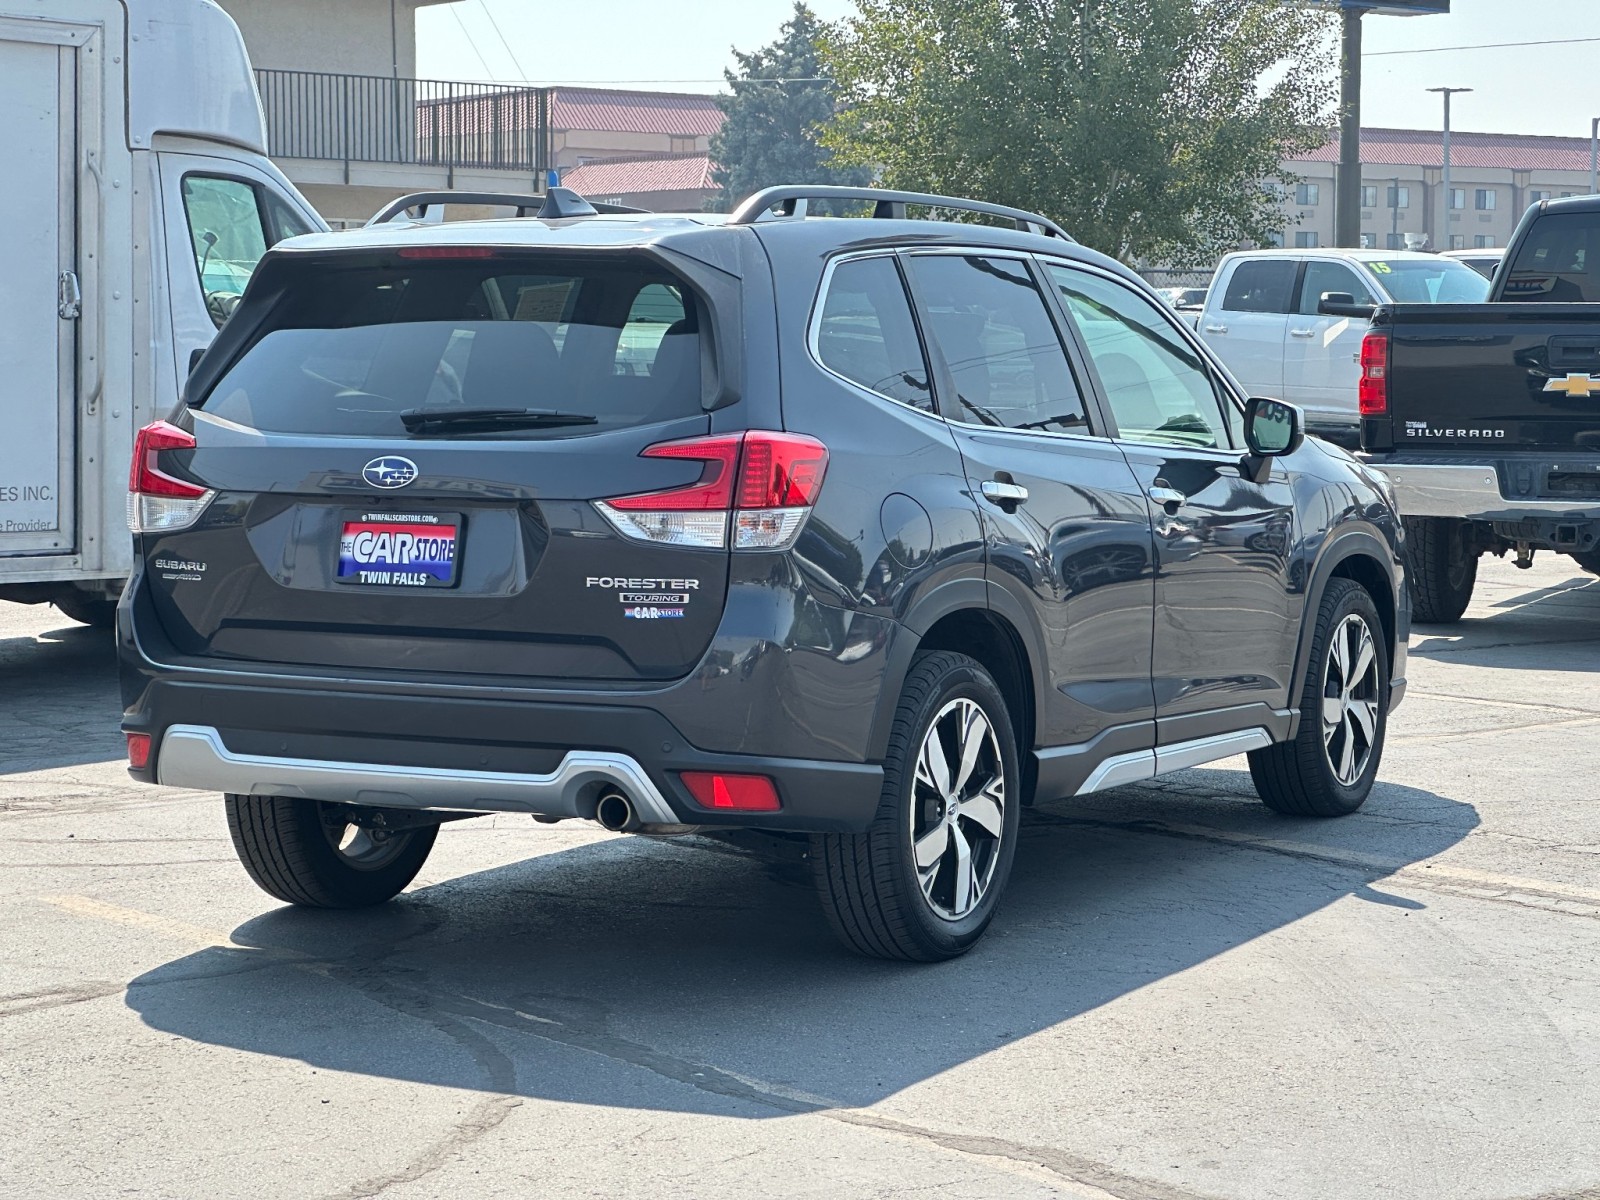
(1350,700)
(958,809)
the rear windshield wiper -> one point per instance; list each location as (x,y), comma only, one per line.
(467,420)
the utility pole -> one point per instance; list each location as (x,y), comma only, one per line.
(1394,208)
(1594,157)
(1447,92)
(1347,202)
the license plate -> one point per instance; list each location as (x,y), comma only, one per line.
(399,549)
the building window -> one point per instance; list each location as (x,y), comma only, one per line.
(1483,241)
(1368,241)
(1458,241)
(1398,197)
(1394,241)
(1275,240)
(1308,193)
(1484,201)
(1305,241)
(1369,196)
(1535,196)
(1564,195)
(1458,197)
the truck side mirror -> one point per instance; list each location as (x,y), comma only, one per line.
(1272,429)
(1343,304)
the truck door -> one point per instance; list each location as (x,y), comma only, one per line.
(220,215)
(1248,321)
(39,292)
(1321,357)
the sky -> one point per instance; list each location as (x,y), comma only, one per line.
(678,46)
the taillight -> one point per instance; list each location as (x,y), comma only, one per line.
(1373,394)
(767,482)
(158,502)
(735,793)
(138,750)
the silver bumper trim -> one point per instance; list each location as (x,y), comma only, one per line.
(1427,490)
(193,756)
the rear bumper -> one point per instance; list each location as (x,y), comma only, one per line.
(1469,491)
(479,756)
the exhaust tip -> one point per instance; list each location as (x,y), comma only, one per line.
(614,811)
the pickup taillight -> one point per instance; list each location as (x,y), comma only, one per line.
(1374,390)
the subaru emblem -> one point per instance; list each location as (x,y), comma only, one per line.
(390,471)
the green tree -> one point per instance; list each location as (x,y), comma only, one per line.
(779,101)
(1145,127)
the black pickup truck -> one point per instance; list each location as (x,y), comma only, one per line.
(1486,417)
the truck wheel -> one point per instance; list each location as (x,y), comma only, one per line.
(95,611)
(1444,567)
(1329,767)
(923,881)
(308,852)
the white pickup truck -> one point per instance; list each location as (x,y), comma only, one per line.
(1289,323)
(138,200)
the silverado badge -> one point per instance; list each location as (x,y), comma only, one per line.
(1581,385)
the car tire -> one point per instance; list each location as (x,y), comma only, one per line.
(309,853)
(1311,776)
(1589,561)
(94,611)
(952,791)
(1444,568)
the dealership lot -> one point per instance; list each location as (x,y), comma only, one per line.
(1183,995)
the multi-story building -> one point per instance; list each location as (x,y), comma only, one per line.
(1494,177)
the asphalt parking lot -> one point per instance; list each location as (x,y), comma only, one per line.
(1183,996)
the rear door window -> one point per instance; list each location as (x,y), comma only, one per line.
(865,332)
(993,328)
(354,348)
(1262,285)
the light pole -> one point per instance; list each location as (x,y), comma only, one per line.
(1394,208)
(1594,157)
(1447,92)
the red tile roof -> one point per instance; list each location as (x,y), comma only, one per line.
(678,114)
(1424,148)
(617,177)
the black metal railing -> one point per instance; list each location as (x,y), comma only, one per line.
(379,119)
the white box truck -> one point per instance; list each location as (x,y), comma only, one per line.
(138,200)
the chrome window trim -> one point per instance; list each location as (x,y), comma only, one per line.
(814,331)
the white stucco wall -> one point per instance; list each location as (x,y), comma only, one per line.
(318,35)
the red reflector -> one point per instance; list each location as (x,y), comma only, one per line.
(737,793)
(781,470)
(1373,392)
(447,252)
(714,488)
(145,477)
(139,750)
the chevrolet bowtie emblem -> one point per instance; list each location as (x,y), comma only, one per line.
(1580,385)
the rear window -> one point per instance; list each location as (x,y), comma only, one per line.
(1556,262)
(353,348)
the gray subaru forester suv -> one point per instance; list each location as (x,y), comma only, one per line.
(862,531)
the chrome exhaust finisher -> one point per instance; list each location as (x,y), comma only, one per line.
(614,811)
(194,756)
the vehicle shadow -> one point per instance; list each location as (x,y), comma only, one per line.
(60,699)
(704,979)
(1554,627)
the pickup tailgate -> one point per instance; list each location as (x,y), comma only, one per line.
(1509,376)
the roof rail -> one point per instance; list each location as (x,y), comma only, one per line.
(791,200)
(557,202)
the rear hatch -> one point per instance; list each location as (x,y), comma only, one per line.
(405,456)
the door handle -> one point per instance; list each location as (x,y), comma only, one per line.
(1302,333)
(997,492)
(69,296)
(1168,497)
(1216,329)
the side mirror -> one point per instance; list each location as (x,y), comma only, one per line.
(1271,430)
(1343,304)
